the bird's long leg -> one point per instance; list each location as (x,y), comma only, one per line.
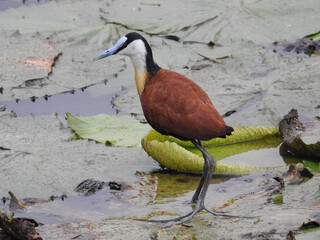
(200,194)
(204,174)
(195,197)
(208,169)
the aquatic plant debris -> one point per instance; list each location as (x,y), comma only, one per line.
(291,129)
(313,167)
(307,45)
(40,63)
(15,203)
(178,155)
(19,228)
(116,130)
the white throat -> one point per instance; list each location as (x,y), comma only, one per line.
(136,50)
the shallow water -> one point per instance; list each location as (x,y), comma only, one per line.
(79,101)
(171,192)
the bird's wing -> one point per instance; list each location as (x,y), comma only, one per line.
(175,105)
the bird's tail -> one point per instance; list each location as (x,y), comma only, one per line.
(229,130)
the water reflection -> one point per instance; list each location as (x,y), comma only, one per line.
(81,101)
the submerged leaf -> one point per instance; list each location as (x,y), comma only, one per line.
(182,156)
(117,130)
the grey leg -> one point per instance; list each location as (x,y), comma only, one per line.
(208,169)
(200,194)
(204,174)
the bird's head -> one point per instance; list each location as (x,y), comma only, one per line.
(131,45)
(137,48)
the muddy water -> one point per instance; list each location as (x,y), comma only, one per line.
(76,102)
(260,85)
(86,101)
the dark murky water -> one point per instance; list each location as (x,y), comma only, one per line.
(172,190)
(79,101)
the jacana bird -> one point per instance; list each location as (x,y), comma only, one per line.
(173,105)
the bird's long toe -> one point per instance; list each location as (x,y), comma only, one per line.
(177,220)
(167,220)
(223,214)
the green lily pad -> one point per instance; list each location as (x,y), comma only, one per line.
(240,134)
(313,167)
(182,156)
(117,130)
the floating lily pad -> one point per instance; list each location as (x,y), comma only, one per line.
(182,156)
(239,135)
(117,130)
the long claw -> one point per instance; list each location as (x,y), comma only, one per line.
(221,214)
(188,216)
(166,220)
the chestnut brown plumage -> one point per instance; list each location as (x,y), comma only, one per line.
(174,105)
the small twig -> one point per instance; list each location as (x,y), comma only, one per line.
(76,236)
(151,4)
(209,59)
(79,61)
(224,57)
